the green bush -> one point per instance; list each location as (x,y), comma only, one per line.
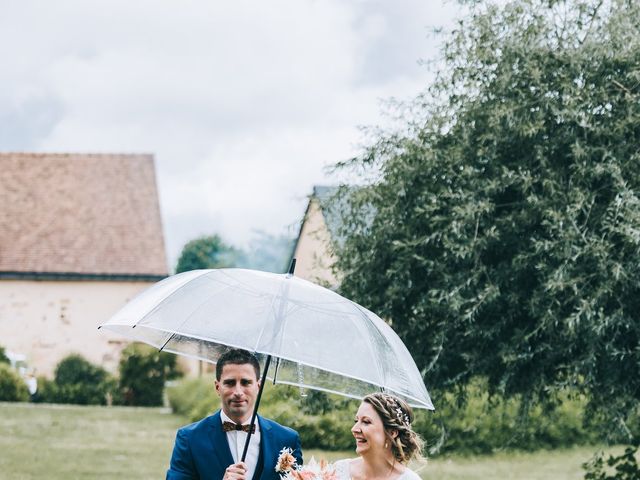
(192,398)
(12,386)
(143,372)
(196,398)
(482,425)
(47,391)
(621,467)
(3,356)
(323,421)
(477,426)
(79,381)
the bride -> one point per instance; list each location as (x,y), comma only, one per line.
(385,441)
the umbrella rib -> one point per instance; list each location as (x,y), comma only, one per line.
(310,365)
(415,402)
(161,302)
(188,317)
(240,285)
(381,373)
(264,324)
(285,319)
(278,316)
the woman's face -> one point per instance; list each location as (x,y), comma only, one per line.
(368,431)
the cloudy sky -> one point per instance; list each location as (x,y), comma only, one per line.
(243,103)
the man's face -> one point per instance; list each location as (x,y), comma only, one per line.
(238,387)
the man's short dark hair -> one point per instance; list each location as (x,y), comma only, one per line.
(237,356)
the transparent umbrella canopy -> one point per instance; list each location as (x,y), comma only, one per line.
(316,338)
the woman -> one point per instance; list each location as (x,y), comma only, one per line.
(385,441)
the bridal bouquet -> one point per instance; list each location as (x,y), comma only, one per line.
(289,469)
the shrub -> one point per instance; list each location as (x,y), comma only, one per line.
(196,398)
(478,426)
(143,372)
(621,467)
(323,421)
(47,391)
(12,386)
(79,381)
(3,357)
(482,425)
(193,398)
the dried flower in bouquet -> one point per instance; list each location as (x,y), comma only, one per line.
(289,469)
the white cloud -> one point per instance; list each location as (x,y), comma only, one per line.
(243,103)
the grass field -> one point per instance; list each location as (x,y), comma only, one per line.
(73,442)
(547,465)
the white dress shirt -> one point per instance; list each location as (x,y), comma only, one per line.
(236,439)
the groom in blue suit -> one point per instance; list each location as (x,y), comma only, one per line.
(211,449)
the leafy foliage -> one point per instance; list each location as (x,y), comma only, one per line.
(624,466)
(47,391)
(479,426)
(505,233)
(12,386)
(484,425)
(193,398)
(330,430)
(207,252)
(143,372)
(79,381)
(3,356)
(266,252)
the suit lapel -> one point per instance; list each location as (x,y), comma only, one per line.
(219,442)
(266,451)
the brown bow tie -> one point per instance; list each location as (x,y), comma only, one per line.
(230,427)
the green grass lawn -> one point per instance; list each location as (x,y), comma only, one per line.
(548,465)
(73,442)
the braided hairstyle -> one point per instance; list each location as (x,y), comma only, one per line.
(397,416)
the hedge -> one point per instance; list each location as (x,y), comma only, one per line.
(12,386)
(478,426)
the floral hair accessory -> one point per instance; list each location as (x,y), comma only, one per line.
(288,468)
(401,415)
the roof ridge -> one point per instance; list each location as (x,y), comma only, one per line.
(75,154)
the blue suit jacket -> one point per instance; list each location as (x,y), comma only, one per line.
(201,451)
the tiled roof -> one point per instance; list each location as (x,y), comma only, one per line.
(92,214)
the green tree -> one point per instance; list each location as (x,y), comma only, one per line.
(208,252)
(3,356)
(501,232)
(79,381)
(12,386)
(143,372)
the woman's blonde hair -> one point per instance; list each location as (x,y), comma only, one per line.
(397,416)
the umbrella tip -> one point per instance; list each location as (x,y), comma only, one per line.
(292,266)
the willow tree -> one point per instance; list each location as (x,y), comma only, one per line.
(501,231)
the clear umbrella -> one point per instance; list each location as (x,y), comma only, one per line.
(317,338)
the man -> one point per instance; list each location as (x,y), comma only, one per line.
(211,449)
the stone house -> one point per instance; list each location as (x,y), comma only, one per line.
(80,235)
(312,250)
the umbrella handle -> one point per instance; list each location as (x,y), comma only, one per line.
(255,408)
(292,266)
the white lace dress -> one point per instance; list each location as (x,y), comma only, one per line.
(342,470)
